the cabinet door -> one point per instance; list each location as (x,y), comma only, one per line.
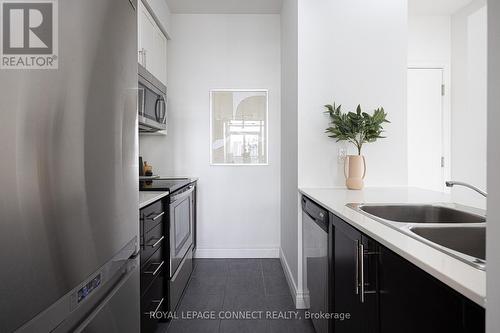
(413,301)
(159,56)
(354,271)
(346,277)
(146,26)
(152,45)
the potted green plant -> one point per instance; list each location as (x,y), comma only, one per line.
(357,128)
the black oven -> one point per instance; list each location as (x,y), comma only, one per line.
(181,230)
(152,102)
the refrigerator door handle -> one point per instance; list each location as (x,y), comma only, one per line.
(131,266)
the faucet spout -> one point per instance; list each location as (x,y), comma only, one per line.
(452,183)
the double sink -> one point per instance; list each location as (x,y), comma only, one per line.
(453,229)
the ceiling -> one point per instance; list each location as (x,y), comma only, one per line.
(435,7)
(225,6)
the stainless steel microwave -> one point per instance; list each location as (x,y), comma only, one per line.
(152,102)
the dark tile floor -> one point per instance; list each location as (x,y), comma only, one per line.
(233,285)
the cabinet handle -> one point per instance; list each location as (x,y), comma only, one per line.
(361,252)
(156,217)
(156,270)
(158,242)
(357,268)
(142,53)
(160,302)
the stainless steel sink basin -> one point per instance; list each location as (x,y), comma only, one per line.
(467,240)
(421,214)
(456,230)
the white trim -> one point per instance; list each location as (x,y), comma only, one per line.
(272,252)
(266,91)
(300,298)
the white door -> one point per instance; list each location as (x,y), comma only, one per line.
(425,129)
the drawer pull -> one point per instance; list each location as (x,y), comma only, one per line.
(156,270)
(158,242)
(156,217)
(160,302)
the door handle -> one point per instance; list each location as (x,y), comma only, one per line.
(165,109)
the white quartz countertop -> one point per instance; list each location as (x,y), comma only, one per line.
(463,278)
(148,197)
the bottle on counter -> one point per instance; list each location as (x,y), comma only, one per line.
(148,169)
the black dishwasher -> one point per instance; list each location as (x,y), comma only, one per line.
(315,226)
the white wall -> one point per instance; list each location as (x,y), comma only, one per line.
(352,52)
(493,230)
(429,40)
(238,207)
(468,107)
(289,140)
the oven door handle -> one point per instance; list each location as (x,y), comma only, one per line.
(183,194)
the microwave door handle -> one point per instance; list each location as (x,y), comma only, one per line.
(164,109)
(160,110)
(157,115)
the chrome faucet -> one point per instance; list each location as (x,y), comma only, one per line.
(452,183)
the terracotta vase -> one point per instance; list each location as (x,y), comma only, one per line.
(354,171)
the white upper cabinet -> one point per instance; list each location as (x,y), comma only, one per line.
(152,48)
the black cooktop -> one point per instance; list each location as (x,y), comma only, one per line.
(164,184)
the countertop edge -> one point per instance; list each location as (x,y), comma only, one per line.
(380,236)
(148,197)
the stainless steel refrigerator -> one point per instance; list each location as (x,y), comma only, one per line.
(69,178)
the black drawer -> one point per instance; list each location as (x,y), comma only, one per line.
(152,241)
(152,215)
(153,300)
(153,268)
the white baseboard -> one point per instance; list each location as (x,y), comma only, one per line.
(238,253)
(300,298)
